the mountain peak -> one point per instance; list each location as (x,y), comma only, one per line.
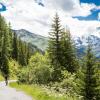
(82,42)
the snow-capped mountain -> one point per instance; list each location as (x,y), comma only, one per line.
(82,42)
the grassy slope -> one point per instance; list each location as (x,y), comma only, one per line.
(38,93)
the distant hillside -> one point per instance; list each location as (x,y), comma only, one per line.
(34,39)
(41,42)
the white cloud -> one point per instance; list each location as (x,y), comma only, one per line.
(27,14)
(79,28)
(87,6)
(72,7)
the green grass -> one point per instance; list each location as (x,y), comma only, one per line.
(38,93)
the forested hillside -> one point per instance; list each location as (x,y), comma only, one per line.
(56,74)
(13,48)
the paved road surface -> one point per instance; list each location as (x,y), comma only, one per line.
(7,93)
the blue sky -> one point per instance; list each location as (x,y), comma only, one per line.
(92,16)
(2,7)
(96,2)
(94,12)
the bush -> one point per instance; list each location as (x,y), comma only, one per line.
(69,80)
(39,75)
(67,85)
(42,74)
(23,76)
(13,68)
(38,71)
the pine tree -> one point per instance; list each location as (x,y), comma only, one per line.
(28,53)
(25,51)
(91,90)
(22,53)
(10,40)
(15,47)
(54,48)
(68,57)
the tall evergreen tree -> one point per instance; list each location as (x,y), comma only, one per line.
(15,47)
(54,48)
(68,57)
(28,53)
(22,53)
(91,90)
(10,40)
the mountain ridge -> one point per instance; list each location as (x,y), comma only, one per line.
(34,39)
(41,42)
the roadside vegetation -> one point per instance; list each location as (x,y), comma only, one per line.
(41,92)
